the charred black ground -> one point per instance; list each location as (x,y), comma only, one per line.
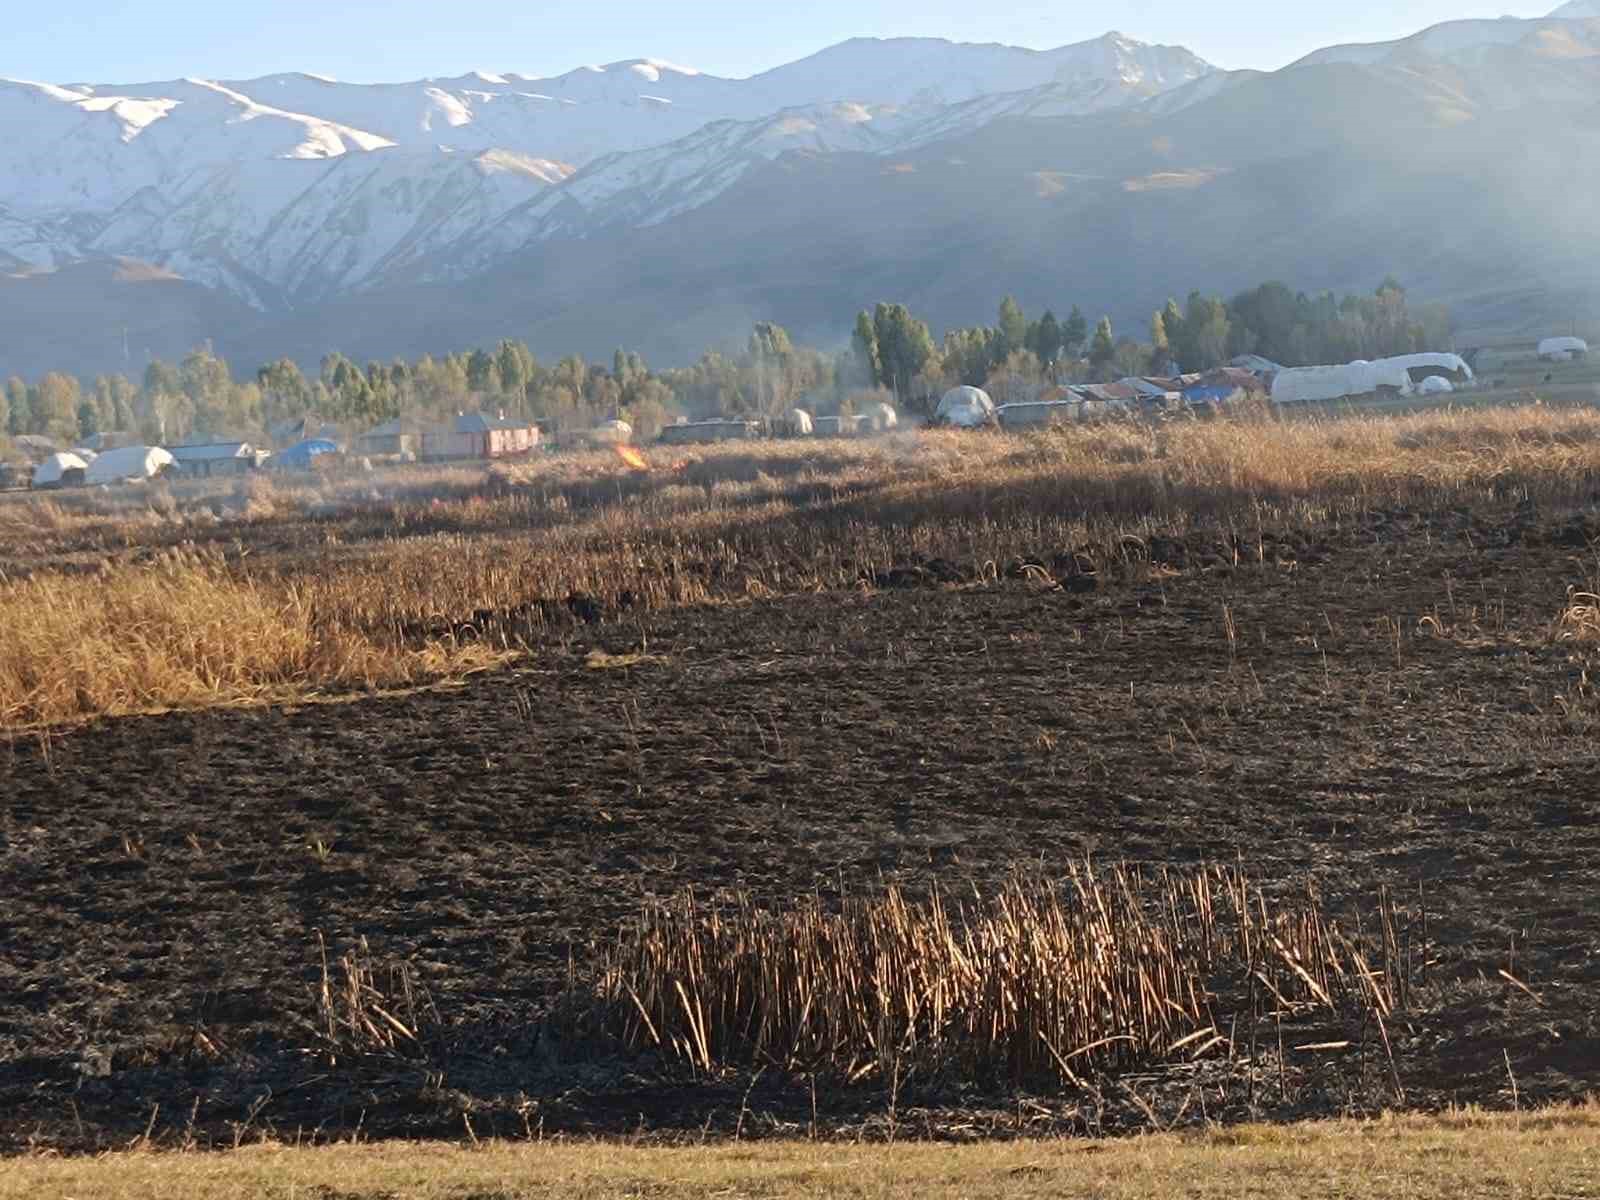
(1380,702)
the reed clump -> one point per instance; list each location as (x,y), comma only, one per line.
(1104,971)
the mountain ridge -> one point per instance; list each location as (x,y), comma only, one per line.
(199,175)
(445,224)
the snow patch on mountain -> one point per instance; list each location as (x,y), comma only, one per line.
(133,114)
(291,236)
(324,139)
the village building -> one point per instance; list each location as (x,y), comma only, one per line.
(1061,409)
(717,430)
(399,438)
(210,459)
(479,435)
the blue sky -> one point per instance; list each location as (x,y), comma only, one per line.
(363,41)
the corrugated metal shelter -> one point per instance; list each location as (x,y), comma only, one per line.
(1038,414)
(216,458)
(1121,391)
(1234,377)
(687,432)
(1153,394)
(1255,364)
(396,439)
(1172,383)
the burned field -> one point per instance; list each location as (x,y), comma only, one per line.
(1387,706)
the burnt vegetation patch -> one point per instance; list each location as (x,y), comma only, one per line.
(894,753)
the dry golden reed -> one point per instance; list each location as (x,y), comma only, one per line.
(184,632)
(392,578)
(1108,970)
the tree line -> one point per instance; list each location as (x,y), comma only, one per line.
(892,355)
(1016,353)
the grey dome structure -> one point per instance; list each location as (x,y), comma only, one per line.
(965,408)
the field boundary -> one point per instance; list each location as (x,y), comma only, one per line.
(1461,1155)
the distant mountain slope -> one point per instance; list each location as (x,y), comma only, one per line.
(1569,31)
(1325,176)
(289,190)
(110,315)
(402,218)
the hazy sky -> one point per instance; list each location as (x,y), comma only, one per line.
(366,40)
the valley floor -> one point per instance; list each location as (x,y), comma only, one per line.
(1381,702)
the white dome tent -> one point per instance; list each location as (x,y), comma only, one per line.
(965,408)
(51,472)
(1317,385)
(1563,348)
(128,463)
(1435,385)
(797,423)
(1431,366)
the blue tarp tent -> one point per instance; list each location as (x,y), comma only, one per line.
(298,457)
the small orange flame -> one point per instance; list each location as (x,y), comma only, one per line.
(632,457)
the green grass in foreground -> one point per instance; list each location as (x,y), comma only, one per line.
(1464,1156)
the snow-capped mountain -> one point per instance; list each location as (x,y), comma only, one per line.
(288,189)
(281,234)
(389,218)
(648,187)
(930,72)
(572,118)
